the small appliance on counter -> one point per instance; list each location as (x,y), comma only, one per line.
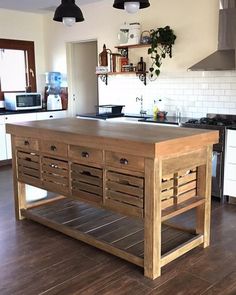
(53,82)
(54,102)
(109,110)
(22,101)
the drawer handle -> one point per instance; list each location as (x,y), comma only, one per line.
(26,142)
(124,161)
(53,148)
(51,116)
(85,155)
(53,165)
(28,159)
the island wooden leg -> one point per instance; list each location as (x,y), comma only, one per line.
(19,188)
(152,220)
(204,190)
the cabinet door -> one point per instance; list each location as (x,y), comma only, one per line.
(51,115)
(3,151)
(230,164)
(14,119)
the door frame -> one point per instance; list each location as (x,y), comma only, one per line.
(70,65)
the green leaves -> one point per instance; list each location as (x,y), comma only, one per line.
(162,40)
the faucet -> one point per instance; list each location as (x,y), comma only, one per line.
(142,112)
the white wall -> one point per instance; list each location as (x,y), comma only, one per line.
(29,27)
(195,24)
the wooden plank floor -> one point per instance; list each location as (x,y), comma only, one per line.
(37,260)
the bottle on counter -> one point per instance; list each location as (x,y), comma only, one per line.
(103,60)
(155,109)
(141,66)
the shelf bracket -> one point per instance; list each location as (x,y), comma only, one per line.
(142,77)
(103,78)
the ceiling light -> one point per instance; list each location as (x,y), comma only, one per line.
(131,6)
(68,13)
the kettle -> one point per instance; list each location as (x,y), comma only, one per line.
(54,102)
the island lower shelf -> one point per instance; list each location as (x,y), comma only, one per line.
(114,233)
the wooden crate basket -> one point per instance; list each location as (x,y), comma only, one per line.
(179,193)
(125,193)
(28,167)
(55,174)
(87,182)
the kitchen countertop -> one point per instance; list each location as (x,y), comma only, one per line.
(166,120)
(6,112)
(145,118)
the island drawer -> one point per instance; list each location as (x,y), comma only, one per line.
(54,148)
(55,174)
(28,164)
(87,182)
(125,193)
(85,155)
(125,161)
(27,143)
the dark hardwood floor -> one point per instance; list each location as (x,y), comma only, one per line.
(37,260)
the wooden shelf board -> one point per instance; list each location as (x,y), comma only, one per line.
(114,233)
(175,210)
(123,73)
(133,46)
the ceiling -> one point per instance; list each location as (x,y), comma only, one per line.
(37,6)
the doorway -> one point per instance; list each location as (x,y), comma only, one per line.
(82,80)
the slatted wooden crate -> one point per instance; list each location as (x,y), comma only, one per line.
(125,193)
(55,175)
(28,167)
(87,182)
(179,193)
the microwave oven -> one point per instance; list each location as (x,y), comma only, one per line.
(22,101)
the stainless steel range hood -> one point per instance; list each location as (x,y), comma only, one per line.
(224,58)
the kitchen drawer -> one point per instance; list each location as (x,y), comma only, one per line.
(87,183)
(54,148)
(55,174)
(125,161)
(231,138)
(124,193)
(27,143)
(85,155)
(28,166)
(230,188)
(230,171)
(231,154)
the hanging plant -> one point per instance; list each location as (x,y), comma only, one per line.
(161,43)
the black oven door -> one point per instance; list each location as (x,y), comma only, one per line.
(217,174)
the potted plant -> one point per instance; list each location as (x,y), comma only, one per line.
(162,40)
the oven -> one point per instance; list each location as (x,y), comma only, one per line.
(218,153)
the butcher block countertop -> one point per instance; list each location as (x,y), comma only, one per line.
(117,186)
(147,140)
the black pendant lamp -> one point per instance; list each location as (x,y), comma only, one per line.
(68,13)
(131,6)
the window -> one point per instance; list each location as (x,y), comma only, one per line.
(17,66)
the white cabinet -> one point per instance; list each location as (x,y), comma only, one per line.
(14,119)
(230,164)
(51,115)
(5,139)
(3,151)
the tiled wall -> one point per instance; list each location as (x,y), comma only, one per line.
(195,93)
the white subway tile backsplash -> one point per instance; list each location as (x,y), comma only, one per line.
(197,93)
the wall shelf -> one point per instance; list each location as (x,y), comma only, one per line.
(141,75)
(124,49)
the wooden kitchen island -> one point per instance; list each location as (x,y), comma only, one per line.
(118,186)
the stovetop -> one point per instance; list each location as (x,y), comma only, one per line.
(213,121)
